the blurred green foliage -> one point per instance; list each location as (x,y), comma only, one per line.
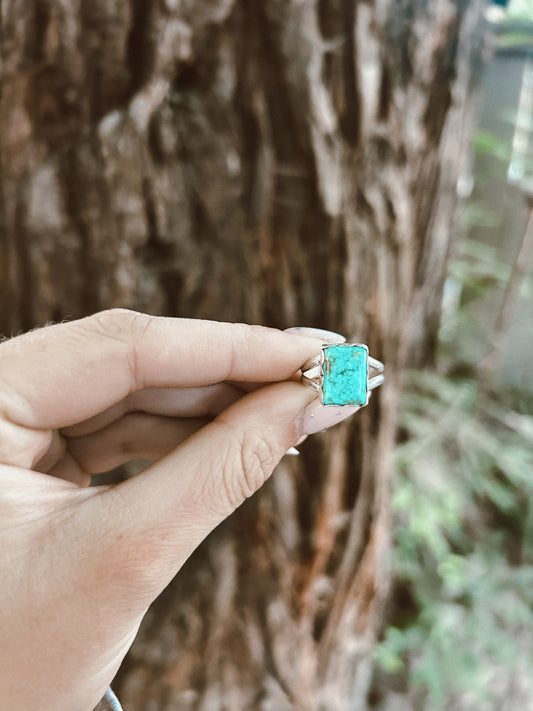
(463,503)
(486,143)
(460,624)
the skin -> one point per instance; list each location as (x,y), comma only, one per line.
(80,565)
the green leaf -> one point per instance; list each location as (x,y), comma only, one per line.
(487,143)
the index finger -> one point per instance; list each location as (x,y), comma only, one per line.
(66,373)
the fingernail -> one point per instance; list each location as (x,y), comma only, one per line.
(317,417)
(325,336)
(293,450)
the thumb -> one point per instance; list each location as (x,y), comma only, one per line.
(164,513)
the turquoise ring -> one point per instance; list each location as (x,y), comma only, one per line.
(343,374)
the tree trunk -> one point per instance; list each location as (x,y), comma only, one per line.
(285,163)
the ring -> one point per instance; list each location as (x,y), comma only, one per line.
(341,373)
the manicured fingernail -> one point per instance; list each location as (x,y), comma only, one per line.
(324,336)
(317,417)
(293,450)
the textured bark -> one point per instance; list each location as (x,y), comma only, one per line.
(274,162)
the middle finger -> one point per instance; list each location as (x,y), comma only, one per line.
(207,401)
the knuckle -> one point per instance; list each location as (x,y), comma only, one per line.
(256,460)
(126,328)
(239,346)
(117,321)
(245,461)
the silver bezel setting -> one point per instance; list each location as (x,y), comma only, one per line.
(312,373)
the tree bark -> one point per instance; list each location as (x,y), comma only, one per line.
(286,163)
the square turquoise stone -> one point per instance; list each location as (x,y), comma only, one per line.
(345,375)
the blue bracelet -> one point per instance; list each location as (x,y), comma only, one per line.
(110,702)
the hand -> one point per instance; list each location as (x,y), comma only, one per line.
(79,566)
